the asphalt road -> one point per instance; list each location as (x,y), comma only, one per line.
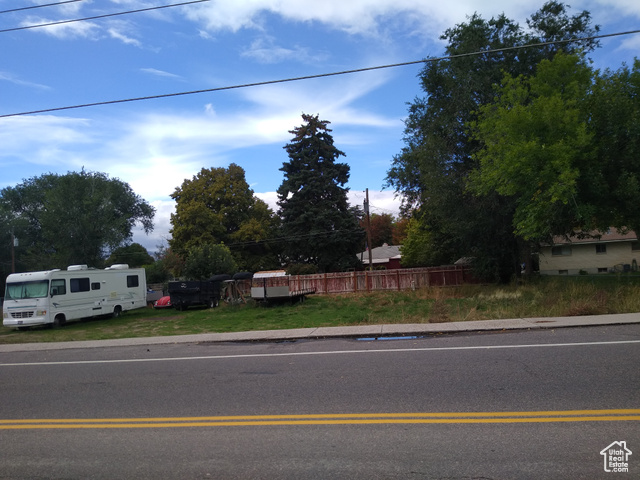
(525,405)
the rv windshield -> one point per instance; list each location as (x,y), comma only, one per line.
(19,290)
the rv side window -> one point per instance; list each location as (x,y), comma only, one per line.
(58,287)
(79,284)
(132,281)
(95,286)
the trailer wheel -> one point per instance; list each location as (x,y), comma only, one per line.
(117,311)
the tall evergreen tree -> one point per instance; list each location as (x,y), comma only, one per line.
(318,225)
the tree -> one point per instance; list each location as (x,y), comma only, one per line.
(614,180)
(167,265)
(400,230)
(417,249)
(135,255)
(318,225)
(432,170)
(208,259)
(563,144)
(381,229)
(217,206)
(74,218)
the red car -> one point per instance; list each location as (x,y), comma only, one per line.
(163,302)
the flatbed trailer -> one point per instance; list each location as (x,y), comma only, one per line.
(275,286)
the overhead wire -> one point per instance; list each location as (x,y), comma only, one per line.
(320,75)
(31,7)
(97,17)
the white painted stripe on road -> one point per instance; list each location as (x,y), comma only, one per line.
(336,352)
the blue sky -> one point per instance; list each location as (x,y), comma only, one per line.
(154,145)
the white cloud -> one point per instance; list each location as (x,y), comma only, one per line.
(61,31)
(264,50)
(631,43)
(118,35)
(36,138)
(160,73)
(355,17)
(7,77)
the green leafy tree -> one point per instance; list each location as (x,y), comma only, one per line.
(134,255)
(563,144)
(217,206)
(535,137)
(417,248)
(73,218)
(318,225)
(613,181)
(432,170)
(167,265)
(208,259)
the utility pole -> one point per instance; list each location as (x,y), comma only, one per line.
(13,252)
(366,211)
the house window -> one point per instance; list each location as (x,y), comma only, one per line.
(635,246)
(601,248)
(562,250)
(603,270)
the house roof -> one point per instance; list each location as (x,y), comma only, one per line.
(382,254)
(581,238)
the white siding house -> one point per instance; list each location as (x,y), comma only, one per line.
(609,252)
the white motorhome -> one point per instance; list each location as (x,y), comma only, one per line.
(55,296)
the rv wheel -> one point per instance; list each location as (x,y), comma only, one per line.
(58,321)
(117,311)
(213,303)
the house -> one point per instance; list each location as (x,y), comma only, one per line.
(384,257)
(595,253)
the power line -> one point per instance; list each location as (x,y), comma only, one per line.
(301,236)
(39,6)
(96,17)
(321,75)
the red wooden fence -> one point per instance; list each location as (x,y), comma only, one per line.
(397,279)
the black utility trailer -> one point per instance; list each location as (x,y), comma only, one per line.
(190,293)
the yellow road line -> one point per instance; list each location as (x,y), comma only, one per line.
(617,415)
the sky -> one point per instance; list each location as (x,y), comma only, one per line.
(156,144)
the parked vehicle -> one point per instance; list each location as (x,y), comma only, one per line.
(56,296)
(163,302)
(153,296)
(273,286)
(191,293)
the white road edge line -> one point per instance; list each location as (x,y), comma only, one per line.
(338,352)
